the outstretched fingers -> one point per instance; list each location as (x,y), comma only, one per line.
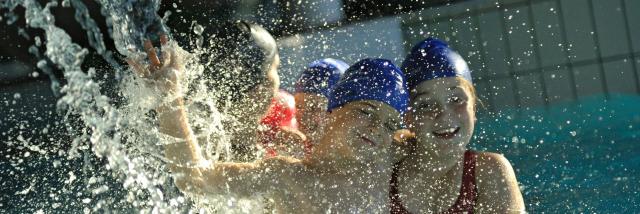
(153,56)
(166,50)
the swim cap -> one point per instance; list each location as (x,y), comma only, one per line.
(371,79)
(320,76)
(281,112)
(431,59)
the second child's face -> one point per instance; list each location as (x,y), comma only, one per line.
(311,113)
(366,128)
(441,115)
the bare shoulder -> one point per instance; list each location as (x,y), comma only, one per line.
(498,189)
(493,170)
(491,164)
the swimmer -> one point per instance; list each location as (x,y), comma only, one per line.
(348,170)
(312,91)
(441,175)
(241,66)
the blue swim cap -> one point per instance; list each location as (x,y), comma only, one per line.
(431,59)
(320,76)
(371,79)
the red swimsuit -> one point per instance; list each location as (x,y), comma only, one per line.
(468,193)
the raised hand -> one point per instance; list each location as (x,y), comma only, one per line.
(165,73)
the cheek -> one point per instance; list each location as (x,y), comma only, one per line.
(465,113)
(467,117)
(418,122)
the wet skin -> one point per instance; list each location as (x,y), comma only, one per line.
(311,113)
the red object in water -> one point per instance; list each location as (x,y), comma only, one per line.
(281,113)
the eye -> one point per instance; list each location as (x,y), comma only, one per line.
(425,106)
(390,126)
(456,100)
(421,105)
(366,112)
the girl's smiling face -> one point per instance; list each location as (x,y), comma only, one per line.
(442,115)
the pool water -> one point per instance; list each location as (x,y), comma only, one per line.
(582,156)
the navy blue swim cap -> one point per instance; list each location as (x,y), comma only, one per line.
(371,79)
(431,59)
(320,76)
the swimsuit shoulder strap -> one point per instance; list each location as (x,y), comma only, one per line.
(396,205)
(468,190)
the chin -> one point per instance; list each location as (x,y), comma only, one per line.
(441,148)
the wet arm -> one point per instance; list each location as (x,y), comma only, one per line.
(164,75)
(192,172)
(243,179)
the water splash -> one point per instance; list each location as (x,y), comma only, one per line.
(130,22)
(104,123)
(125,135)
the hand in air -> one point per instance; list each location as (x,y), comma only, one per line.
(164,73)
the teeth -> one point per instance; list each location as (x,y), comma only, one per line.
(446,131)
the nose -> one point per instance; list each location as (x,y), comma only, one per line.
(436,112)
(445,114)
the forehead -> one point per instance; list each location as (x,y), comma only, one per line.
(383,109)
(437,86)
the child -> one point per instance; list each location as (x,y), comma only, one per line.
(441,175)
(311,96)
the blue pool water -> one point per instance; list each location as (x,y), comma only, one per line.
(575,157)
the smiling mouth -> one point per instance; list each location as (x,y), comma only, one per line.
(366,140)
(446,133)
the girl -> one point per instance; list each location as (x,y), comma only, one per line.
(441,175)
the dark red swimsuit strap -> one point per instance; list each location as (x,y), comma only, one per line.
(396,205)
(468,192)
